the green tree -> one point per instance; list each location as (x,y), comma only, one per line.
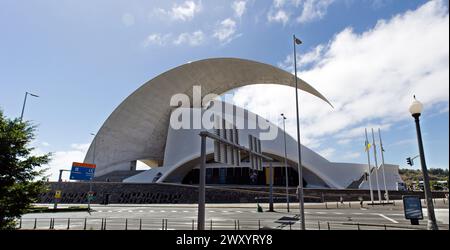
(20,181)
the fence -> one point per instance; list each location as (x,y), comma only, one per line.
(187,224)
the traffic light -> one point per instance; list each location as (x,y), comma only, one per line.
(409,161)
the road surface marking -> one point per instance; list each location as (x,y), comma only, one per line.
(338,213)
(321,213)
(389,219)
(357,213)
(110,211)
(140,211)
(173,211)
(162,211)
(212,211)
(130,211)
(185,211)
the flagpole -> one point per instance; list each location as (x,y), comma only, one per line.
(376,165)
(368,161)
(382,162)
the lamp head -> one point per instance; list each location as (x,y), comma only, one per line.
(416,107)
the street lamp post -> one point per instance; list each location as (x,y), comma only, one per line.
(285,162)
(25,102)
(416,109)
(90,182)
(300,174)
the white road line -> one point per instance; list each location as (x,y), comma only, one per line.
(338,213)
(389,219)
(185,211)
(162,211)
(212,211)
(140,211)
(152,211)
(130,211)
(110,211)
(100,211)
(321,213)
(173,211)
(357,213)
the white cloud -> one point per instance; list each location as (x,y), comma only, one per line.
(194,39)
(157,39)
(225,31)
(239,8)
(64,159)
(279,16)
(327,153)
(182,12)
(351,155)
(370,77)
(128,19)
(313,10)
(310,10)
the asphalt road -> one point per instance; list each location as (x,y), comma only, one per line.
(229,217)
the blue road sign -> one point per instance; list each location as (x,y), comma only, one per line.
(82,171)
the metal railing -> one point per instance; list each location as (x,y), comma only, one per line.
(191,224)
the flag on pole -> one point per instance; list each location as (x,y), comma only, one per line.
(367,146)
(298,41)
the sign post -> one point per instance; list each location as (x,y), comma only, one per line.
(413,208)
(84,172)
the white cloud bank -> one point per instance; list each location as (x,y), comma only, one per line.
(64,159)
(309,10)
(181,12)
(370,78)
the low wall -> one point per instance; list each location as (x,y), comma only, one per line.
(130,193)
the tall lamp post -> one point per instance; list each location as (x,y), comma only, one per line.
(90,182)
(300,174)
(416,109)
(25,103)
(285,162)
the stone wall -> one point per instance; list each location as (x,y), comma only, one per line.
(130,193)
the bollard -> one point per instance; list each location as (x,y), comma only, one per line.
(104,225)
(328,224)
(259,224)
(126,224)
(318,225)
(140,224)
(235,225)
(290,226)
(210,226)
(162,227)
(385,228)
(349,204)
(359,227)
(239,227)
(35,223)
(326,205)
(85,222)
(20,223)
(68,223)
(50,226)
(337,204)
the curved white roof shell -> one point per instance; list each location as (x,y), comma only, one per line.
(138,127)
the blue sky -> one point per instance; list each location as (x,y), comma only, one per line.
(368,57)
